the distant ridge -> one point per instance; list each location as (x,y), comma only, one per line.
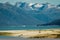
(55,22)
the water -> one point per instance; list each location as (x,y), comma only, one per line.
(20,38)
(28,27)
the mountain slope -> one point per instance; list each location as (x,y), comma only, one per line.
(11,15)
(23,14)
(55,22)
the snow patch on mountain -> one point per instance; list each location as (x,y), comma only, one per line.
(35,6)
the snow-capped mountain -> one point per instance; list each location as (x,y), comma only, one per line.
(28,13)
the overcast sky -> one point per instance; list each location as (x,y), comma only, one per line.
(33,1)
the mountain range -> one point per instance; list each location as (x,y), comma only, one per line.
(23,13)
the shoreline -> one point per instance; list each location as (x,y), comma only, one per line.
(33,29)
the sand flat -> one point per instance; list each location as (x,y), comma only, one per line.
(32,33)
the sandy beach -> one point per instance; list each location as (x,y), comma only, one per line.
(49,33)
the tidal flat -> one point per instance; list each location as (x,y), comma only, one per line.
(48,33)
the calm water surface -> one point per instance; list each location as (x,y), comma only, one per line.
(27,27)
(20,38)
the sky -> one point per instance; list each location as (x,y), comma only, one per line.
(56,2)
